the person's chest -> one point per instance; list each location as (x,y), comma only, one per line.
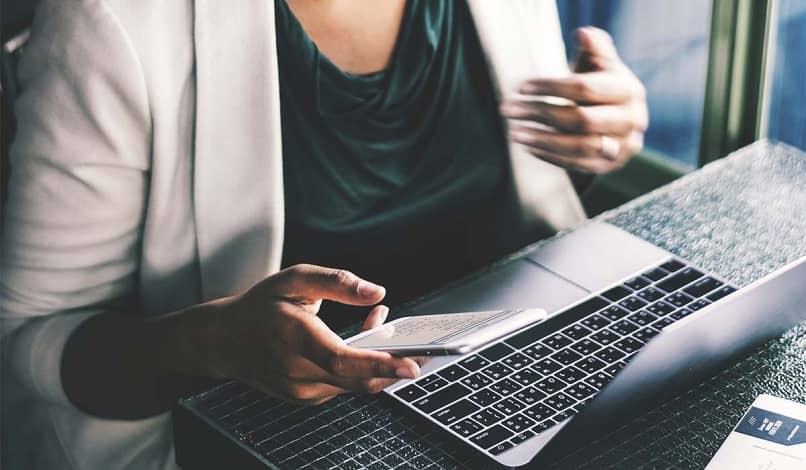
(340,30)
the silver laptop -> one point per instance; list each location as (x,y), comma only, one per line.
(629,323)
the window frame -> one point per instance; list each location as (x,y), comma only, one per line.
(733,109)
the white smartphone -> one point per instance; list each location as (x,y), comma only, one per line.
(444,334)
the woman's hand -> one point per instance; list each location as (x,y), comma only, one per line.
(272,338)
(604,124)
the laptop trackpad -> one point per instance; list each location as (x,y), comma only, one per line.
(519,284)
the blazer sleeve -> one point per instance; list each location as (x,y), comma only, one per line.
(78,187)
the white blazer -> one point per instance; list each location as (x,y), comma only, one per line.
(147,172)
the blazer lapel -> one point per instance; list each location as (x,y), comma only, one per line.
(238,182)
(522,39)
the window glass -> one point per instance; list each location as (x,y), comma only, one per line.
(665,42)
(786,111)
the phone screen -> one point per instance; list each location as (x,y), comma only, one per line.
(429,329)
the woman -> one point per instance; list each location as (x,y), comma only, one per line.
(152,205)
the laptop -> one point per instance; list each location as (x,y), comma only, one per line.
(629,325)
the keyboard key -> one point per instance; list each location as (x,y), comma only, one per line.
(550,385)
(455,412)
(474,363)
(524,436)
(508,406)
(485,397)
(476,381)
(633,303)
(614,368)
(679,279)
(605,337)
(678,299)
(660,308)
(557,341)
(539,412)
(585,347)
(566,356)
(580,391)
(496,371)
(630,345)
(530,395)
(537,351)
(624,327)
(452,373)
(617,293)
(519,423)
(570,374)
(544,426)
(576,332)
(662,323)
(681,313)
(525,377)
(637,283)
(721,292)
(642,318)
(656,274)
(645,334)
(431,382)
(517,361)
(487,417)
(598,380)
(650,294)
(437,400)
(491,437)
(590,364)
(614,312)
(466,428)
(702,287)
(501,447)
(595,322)
(560,401)
(505,387)
(698,304)
(565,414)
(410,393)
(610,355)
(496,352)
(526,337)
(673,265)
(547,366)
(433,385)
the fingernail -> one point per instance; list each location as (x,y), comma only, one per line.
(384,313)
(369,290)
(406,372)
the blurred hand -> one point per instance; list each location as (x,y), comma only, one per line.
(604,124)
(272,338)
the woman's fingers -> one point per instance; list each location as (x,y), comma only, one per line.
(375,318)
(584,154)
(303,371)
(306,283)
(328,351)
(593,87)
(579,145)
(576,119)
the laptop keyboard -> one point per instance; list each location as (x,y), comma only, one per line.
(512,391)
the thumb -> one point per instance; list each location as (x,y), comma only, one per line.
(308,283)
(375,318)
(595,50)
